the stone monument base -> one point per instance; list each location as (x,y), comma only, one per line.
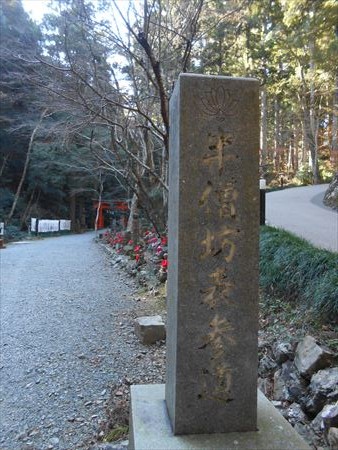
(150,427)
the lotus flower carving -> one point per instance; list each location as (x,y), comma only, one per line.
(218,102)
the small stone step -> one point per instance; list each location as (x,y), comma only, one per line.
(150,329)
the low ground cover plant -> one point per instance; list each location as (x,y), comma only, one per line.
(294,270)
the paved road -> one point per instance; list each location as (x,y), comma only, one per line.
(60,302)
(301,211)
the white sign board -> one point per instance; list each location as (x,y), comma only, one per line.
(50,226)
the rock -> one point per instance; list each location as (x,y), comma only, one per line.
(265,385)
(54,441)
(282,351)
(278,385)
(150,329)
(317,423)
(288,385)
(295,414)
(331,195)
(266,366)
(332,438)
(323,389)
(311,357)
(330,416)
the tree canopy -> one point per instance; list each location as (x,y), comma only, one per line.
(101,73)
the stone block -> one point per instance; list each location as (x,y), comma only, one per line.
(150,329)
(288,385)
(323,389)
(311,357)
(150,428)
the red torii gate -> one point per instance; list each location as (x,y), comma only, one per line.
(114,205)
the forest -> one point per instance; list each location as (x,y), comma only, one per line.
(85,94)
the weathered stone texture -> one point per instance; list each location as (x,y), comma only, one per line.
(150,329)
(311,357)
(150,428)
(332,438)
(323,389)
(331,195)
(213,255)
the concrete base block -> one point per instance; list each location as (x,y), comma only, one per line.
(150,427)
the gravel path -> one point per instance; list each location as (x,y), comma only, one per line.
(66,341)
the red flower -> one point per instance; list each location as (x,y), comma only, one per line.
(137,257)
(130,242)
(137,248)
(164,264)
(164,240)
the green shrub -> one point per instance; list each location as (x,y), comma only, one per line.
(13,233)
(305,175)
(294,270)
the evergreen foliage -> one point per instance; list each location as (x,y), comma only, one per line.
(104,74)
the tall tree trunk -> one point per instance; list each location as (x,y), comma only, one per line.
(296,133)
(100,201)
(334,139)
(165,193)
(312,125)
(72,210)
(276,155)
(305,146)
(27,210)
(264,125)
(291,154)
(3,165)
(133,226)
(311,140)
(25,167)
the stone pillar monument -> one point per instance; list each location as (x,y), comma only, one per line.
(213,255)
(210,397)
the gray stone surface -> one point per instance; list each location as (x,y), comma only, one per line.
(213,254)
(331,194)
(330,415)
(151,428)
(311,357)
(332,438)
(282,351)
(288,385)
(150,329)
(323,389)
(294,414)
